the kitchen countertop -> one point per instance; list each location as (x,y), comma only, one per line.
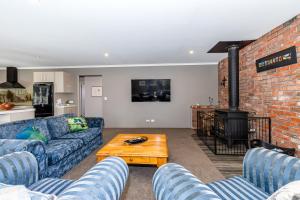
(66,106)
(17,110)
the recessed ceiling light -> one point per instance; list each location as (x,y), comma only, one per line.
(106,54)
(191,52)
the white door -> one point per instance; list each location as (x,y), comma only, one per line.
(91,100)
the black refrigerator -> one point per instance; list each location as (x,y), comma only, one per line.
(42,99)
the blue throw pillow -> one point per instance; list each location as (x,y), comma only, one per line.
(32,133)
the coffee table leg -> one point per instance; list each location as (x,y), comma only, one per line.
(161,161)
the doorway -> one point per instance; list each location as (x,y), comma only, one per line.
(90,95)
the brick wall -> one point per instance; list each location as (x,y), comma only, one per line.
(274,93)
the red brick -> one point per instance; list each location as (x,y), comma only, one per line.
(275,92)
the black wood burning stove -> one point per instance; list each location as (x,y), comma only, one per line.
(231,124)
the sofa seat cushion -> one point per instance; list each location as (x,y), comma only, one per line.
(237,188)
(87,135)
(51,185)
(58,149)
(57,125)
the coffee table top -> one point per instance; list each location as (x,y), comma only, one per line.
(155,146)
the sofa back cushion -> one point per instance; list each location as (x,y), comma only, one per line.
(10,130)
(270,170)
(42,126)
(57,125)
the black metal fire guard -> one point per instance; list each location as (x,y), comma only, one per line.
(231,136)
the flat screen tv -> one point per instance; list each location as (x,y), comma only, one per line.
(147,90)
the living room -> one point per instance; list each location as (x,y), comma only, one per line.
(116,106)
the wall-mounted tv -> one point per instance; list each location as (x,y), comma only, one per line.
(147,90)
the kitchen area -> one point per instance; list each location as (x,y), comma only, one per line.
(38,94)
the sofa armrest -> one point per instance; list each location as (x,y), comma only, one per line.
(37,148)
(270,170)
(18,168)
(105,181)
(95,122)
(172,181)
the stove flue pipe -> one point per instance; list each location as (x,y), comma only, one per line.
(233,77)
(232,47)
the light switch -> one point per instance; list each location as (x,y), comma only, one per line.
(105,98)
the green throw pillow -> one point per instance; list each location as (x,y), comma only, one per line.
(77,124)
(32,133)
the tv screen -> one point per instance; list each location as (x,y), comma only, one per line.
(143,90)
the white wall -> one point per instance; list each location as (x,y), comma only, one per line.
(189,85)
(93,106)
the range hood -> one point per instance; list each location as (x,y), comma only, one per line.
(11,79)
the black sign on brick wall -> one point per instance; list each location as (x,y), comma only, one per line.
(279,59)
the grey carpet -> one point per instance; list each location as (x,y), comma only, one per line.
(183,149)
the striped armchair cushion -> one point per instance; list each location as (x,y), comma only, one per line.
(237,188)
(105,181)
(173,182)
(19,168)
(51,185)
(270,170)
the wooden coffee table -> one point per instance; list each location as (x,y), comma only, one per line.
(152,152)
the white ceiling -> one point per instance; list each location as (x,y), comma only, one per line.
(144,32)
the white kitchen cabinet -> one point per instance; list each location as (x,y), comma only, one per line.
(60,110)
(22,116)
(42,77)
(64,82)
(4,118)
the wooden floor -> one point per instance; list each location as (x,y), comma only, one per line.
(228,165)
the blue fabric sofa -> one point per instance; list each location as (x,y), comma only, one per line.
(264,172)
(63,150)
(105,181)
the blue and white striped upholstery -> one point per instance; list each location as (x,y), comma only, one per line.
(270,170)
(19,168)
(173,182)
(264,172)
(237,188)
(36,147)
(104,181)
(51,185)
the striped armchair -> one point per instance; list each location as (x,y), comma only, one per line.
(264,172)
(105,181)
